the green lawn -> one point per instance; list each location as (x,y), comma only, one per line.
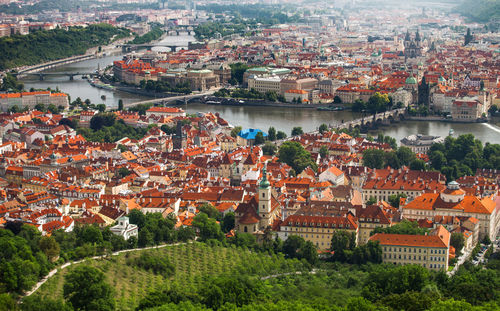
(192,261)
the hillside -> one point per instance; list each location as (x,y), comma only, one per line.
(192,262)
(480,10)
(47,45)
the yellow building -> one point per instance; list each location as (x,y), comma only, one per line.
(429,251)
(317,229)
(369,218)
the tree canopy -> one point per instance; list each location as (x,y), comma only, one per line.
(293,154)
(86,289)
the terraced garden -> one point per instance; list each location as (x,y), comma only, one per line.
(192,262)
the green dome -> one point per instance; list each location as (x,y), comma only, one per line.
(441,79)
(411,80)
(264,183)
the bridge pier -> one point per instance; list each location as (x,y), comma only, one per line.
(173,48)
(71,78)
(40,77)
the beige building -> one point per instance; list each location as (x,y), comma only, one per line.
(264,84)
(202,80)
(467,111)
(317,229)
(429,251)
(31,99)
(369,218)
(293,83)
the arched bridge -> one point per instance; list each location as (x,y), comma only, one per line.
(169,100)
(380,118)
(71,75)
(132,47)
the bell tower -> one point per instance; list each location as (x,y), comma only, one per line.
(264,207)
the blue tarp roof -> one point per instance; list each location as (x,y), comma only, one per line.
(250,133)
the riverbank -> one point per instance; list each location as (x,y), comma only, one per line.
(442,119)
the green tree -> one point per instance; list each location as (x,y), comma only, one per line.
(259,139)
(86,289)
(323,152)
(342,244)
(457,241)
(7,303)
(293,154)
(378,102)
(37,303)
(394,199)
(50,247)
(374,158)
(101,107)
(102,119)
(323,128)
(358,105)
(271,134)
(52,108)
(208,228)
(280,135)
(269,148)
(404,227)
(235,131)
(405,155)
(120,104)
(337,100)
(228,222)
(417,165)
(237,71)
(40,107)
(296,131)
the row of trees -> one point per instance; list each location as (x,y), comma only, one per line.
(462,156)
(163,86)
(403,156)
(376,103)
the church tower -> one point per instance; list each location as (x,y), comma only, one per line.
(264,207)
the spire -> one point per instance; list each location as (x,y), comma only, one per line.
(264,183)
(417,36)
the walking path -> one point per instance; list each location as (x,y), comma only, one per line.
(55,270)
(313,271)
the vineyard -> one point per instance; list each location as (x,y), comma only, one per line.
(192,263)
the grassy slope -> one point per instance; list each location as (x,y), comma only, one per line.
(192,262)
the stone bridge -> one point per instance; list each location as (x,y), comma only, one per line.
(169,100)
(132,47)
(71,75)
(381,118)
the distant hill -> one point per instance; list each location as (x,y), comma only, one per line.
(480,10)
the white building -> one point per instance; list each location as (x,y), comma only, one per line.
(264,84)
(124,228)
(333,175)
(421,143)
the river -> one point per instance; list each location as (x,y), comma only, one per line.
(248,116)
